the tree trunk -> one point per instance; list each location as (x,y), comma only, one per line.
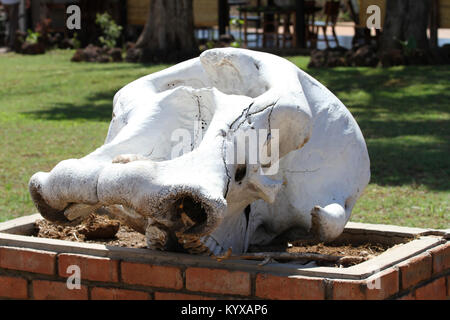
(168,35)
(405,20)
(434,23)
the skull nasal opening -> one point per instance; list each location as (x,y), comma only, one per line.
(190,211)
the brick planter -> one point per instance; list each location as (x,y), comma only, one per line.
(37,268)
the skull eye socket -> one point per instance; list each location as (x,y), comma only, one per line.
(241,171)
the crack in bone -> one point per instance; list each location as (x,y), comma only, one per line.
(269,132)
(247,115)
(196,134)
(224,154)
(246,110)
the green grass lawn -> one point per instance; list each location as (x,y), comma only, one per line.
(52,109)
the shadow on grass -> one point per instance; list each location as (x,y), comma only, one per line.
(387,87)
(404,148)
(97,106)
(100,111)
(396,164)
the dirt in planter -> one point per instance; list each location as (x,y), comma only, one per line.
(363,250)
(103,230)
(321,254)
(95,229)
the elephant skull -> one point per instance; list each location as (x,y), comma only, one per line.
(174,167)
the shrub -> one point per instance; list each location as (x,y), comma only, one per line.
(32,37)
(111,31)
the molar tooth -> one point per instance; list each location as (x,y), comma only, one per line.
(190,245)
(189,237)
(186,220)
(199,250)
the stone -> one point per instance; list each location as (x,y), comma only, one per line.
(393,57)
(133,55)
(361,56)
(97,54)
(115,54)
(365,56)
(33,48)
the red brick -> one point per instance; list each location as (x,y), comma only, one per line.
(179,296)
(51,290)
(289,288)
(218,281)
(416,270)
(382,285)
(98,293)
(435,290)
(448,286)
(349,290)
(13,288)
(92,268)
(441,258)
(151,275)
(29,260)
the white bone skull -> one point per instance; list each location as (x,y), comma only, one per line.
(202,200)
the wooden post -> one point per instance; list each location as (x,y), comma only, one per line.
(434,23)
(353,14)
(245,29)
(123,18)
(300,23)
(224,16)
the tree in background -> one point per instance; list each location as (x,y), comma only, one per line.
(406,21)
(168,35)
